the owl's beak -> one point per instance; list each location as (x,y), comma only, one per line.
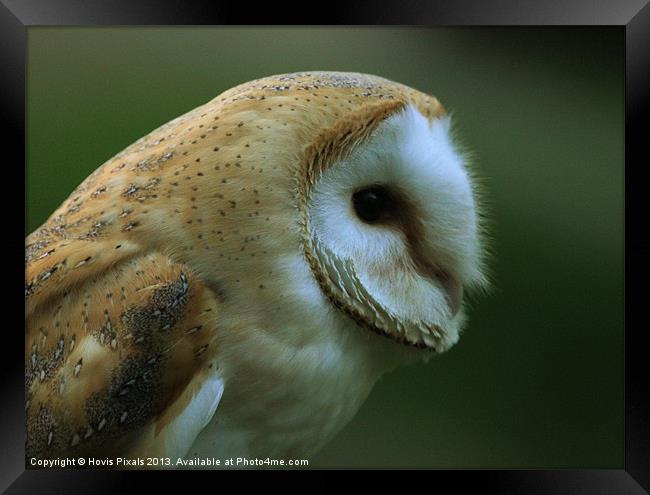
(453,292)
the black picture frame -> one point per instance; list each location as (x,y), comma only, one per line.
(632,16)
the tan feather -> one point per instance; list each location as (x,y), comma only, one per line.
(106,359)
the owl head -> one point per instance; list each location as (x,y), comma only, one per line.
(387,232)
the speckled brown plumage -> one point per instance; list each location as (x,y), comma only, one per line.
(122,300)
(108,357)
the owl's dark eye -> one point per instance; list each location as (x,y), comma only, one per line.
(372,203)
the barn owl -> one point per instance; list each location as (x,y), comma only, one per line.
(235,282)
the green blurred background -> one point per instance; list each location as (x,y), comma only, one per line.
(537,378)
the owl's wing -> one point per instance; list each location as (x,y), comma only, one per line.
(119,351)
